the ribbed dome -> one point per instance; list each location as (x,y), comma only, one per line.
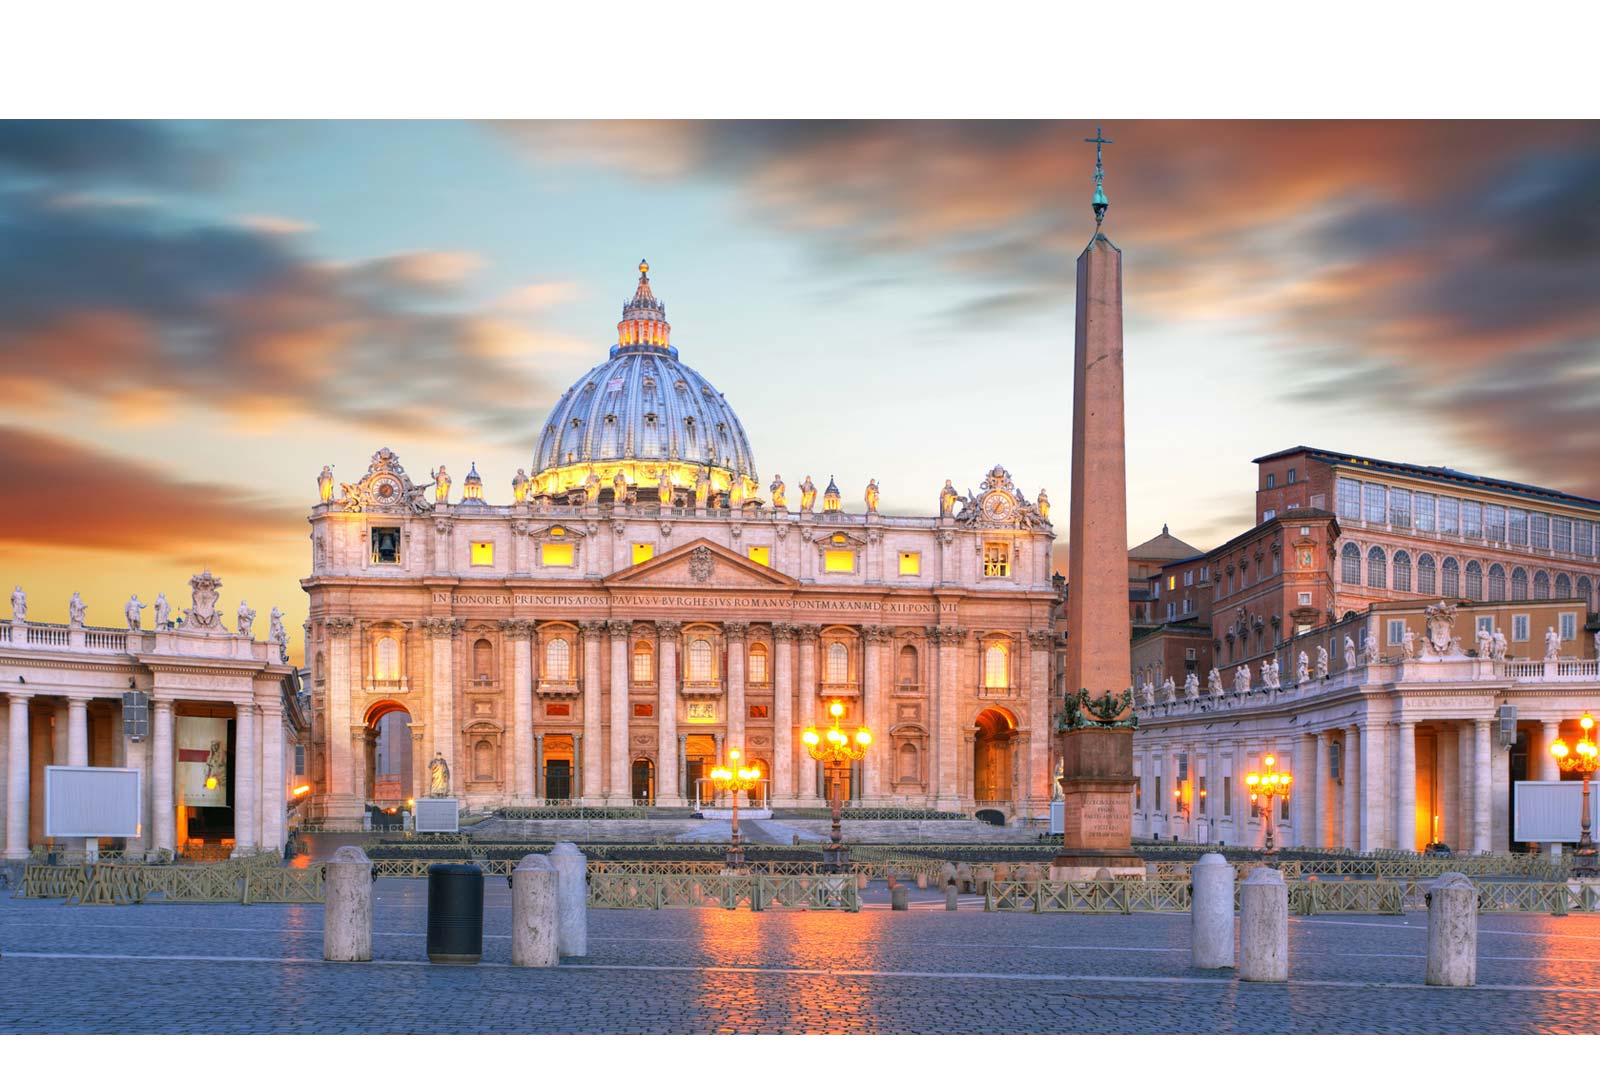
(640,413)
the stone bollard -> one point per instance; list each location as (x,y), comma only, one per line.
(982,877)
(347,913)
(899,898)
(572,898)
(1211,912)
(1264,927)
(535,935)
(964,877)
(951,896)
(947,873)
(1452,931)
(862,881)
(922,879)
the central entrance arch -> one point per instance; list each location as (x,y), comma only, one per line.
(992,745)
(388,757)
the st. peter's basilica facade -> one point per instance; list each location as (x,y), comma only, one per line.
(640,606)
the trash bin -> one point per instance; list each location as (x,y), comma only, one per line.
(455,913)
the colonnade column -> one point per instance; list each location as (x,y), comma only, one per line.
(1352,770)
(521,631)
(667,714)
(77,732)
(163,795)
(441,681)
(245,782)
(1040,644)
(734,634)
(948,640)
(1324,813)
(341,769)
(1405,816)
(1464,785)
(1445,762)
(1548,771)
(360,756)
(782,713)
(593,755)
(273,800)
(806,704)
(1481,785)
(874,639)
(17,766)
(621,785)
(1303,799)
(1372,798)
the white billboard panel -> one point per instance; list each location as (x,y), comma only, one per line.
(1548,811)
(92,802)
(437,815)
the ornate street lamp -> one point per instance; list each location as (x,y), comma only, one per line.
(1270,784)
(734,779)
(1582,759)
(835,752)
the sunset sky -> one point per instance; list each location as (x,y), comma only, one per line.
(195,317)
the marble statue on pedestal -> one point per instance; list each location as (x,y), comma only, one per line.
(1241,680)
(247,620)
(19,604)
(1191,687)
(872,496)
(1302,668)
(325,484)
(1148,692)
(519,486)
(163,611)
(1499,647)
(277,634)
(1322,663)
(947,500)
(1552,645)
(1214,683)
(1408,641)
(76,611)
(1369,647)
(780,493)
(438,776)
(132,609)
(441,484)
(808,495)
(1485,640)
(1169,692)
(1044,505)
(664,489)
(702,488)
(1349,653)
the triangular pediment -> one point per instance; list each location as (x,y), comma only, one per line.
(700,564)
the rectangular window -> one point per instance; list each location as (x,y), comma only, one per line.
(1485,624)
(996,559)
(1159,794)
(299,761)
(483,553)
(758,665)
(558,710)
(1400,508)
(839,560)
(643,552)
(1172,611)
(1188,578)
(1272,481)
(1291,475)
(1172,581)
(1422,511)
(1561,534)
(552,555)
(386,544)
(1188,605)
(1305,600)
(759,711)
(1538,529)
(644,711)
(1349,499)
(1471,518)
(1397,631)
(1374,503)
(644,671)
(910,564)
(1201,781)
(1227,795)
(1269,514)
(1516,526)
(1494,522)
(1519,627)
(1569,626)
(1448,508)
(761,554)
(1583,538)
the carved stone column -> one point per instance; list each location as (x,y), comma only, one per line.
(619,788)
(876,767)
(1405,770)
(1481,785)
(361,753)
(342,799)
(1037,784)
(1303,795)
(77,731)
(246,786)
(947,568)
(274,801)
(948,640)
(163,795)
(17,772)
(806,705)
(734,633)
(419,784)
(1351,772)
(783,745)
(1374,760)
(521,632)
(594,713)
(442,687)
(667,794)
(1324,791)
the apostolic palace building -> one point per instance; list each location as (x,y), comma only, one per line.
(640,604)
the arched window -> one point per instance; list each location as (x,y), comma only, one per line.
(1450,587)
(644,662)
(699,665)
(1350,564)
(483,761)
(906,763)
(482,653)
(1541,585)
(908,666)
(558,660)
(1377,568)
(1425,574)
(643,780)
(386,667)
(1519,584)
(1497,582)
(1586,591)
(1402,571)
(760,672)
(996,666)
(1563,587)
(836,670)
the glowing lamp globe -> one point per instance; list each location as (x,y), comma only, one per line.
(809,737)
(863,738)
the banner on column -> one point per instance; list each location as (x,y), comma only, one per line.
(203,761)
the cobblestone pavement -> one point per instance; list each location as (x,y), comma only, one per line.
(222,968)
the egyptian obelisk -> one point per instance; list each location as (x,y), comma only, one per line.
(1097,737)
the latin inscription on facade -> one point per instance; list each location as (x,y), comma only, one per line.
(672,600)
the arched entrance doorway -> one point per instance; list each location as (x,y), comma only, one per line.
(992,745)
(644,781)
(388,758)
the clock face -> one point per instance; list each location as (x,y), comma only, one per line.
(998,506)
(386,489)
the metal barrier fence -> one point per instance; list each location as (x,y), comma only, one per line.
(758,892)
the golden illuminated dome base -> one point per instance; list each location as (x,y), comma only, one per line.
(643,476)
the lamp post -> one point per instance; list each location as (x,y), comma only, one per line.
(836,752)
(1583,759)
(734,779)
(1270,784)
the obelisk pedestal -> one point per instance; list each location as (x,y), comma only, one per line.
(1097,780)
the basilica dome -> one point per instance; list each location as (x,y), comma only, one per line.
(643,414)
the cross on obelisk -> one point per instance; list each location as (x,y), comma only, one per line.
(1096,737)
(1099,203)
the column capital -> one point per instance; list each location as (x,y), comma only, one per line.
(876,635)
(668,630)
(592,628)
(441,626)
(783,631)
(519,629)
(338,625)
(735,631)
(619,628)
(1043,640)
(807,631)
